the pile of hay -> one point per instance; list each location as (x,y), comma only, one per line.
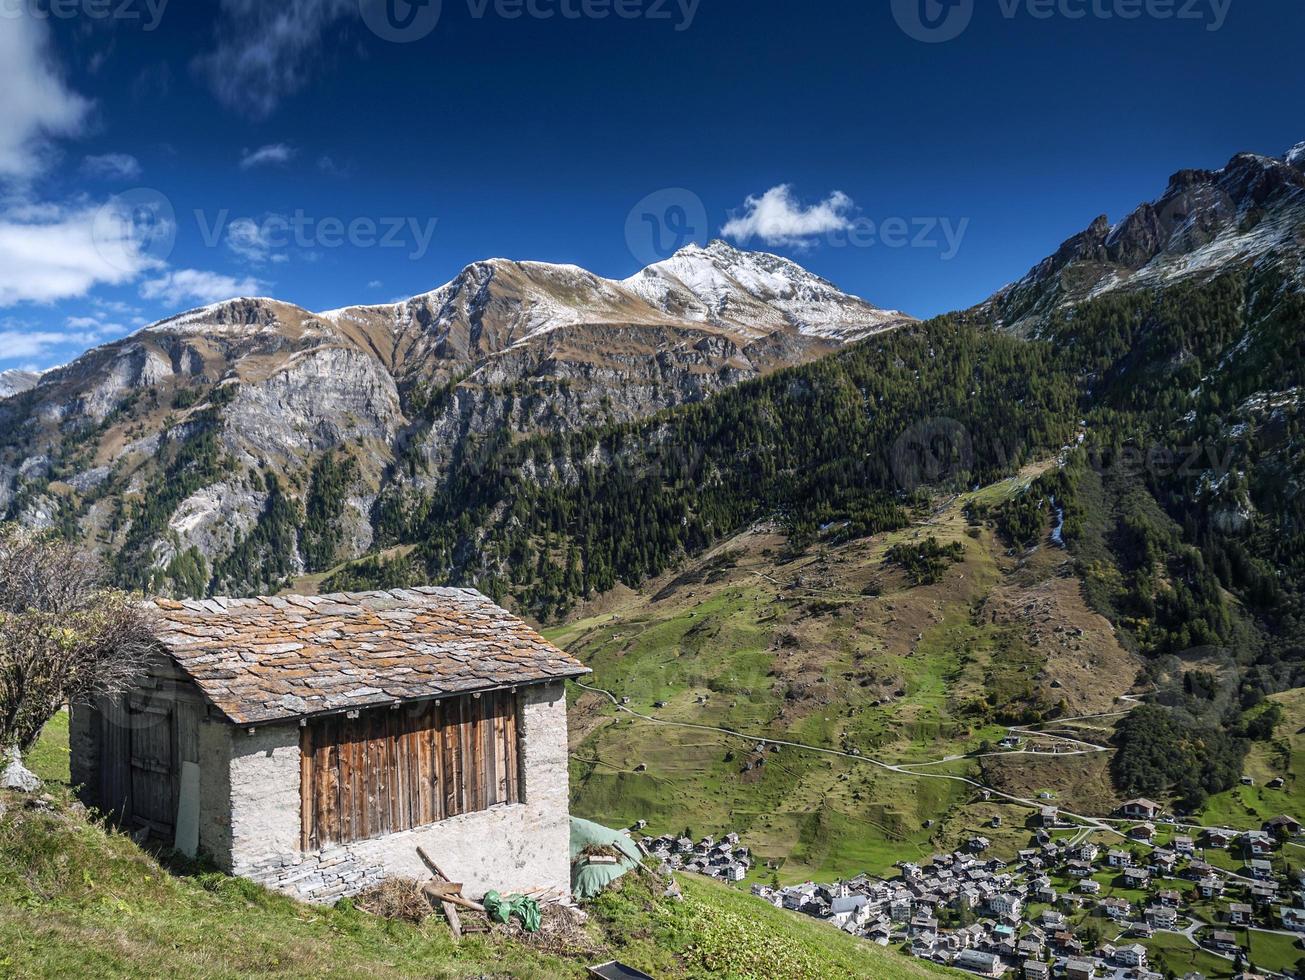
(396,898)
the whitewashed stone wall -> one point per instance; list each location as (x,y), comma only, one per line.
(215,791)
(508,848)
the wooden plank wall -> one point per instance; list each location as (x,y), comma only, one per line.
(390,770)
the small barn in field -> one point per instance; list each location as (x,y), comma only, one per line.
(312,743)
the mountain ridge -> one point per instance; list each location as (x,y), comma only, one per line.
(505,346)
(1204,221)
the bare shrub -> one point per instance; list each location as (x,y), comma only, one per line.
(64,636)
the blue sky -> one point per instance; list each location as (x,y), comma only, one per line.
(156,155)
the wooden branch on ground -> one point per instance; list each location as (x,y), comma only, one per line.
(435,868)
(438,891)
(433,892)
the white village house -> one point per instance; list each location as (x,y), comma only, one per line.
(312,743)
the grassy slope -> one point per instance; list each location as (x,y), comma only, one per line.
(1245,806)
(76,900)
(746,640)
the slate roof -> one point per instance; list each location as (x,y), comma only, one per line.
(274,658)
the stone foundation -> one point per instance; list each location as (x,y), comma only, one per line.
(510,848)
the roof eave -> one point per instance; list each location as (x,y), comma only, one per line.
(390,702)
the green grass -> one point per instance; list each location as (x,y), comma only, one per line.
(1270,951)
(1250,806)
(49,756)
(749,647)
(81,900)
(1169,952)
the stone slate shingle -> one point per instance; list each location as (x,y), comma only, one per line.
(280,657)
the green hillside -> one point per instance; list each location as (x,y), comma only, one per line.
(77,900)
(839,648)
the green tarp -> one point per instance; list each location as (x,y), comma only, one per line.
(502,909)
(587,879)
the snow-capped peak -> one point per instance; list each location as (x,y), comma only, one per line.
(758,291)
(1296,156)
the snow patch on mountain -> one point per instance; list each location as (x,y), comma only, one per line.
(757,292)
(16,382)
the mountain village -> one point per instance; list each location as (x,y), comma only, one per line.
(1069,906)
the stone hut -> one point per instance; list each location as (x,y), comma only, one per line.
(312,743)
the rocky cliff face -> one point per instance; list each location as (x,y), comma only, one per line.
(1249,214)
(156,447)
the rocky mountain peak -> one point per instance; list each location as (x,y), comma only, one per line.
(1205,221)
(756,292)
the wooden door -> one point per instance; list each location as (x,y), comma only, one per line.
(152,802)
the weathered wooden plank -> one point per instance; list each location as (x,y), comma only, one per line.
(414,735)
(355,761)
(394,785)
(385,741)
(373,778)
(500,748)
(437,762)
(327,758)
(489,778)
(410,763)
(514,794)
(455,798)
(308,833)
(471,755)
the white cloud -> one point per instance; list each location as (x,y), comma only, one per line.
(112,166)
(266,51)
(115,306)
(29,343)
(253,242)
(23,340)
(91,329)
(778,218)
(49,253)
(274,154)
(182,286)
(375,284)
(246,239)
(36,104)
